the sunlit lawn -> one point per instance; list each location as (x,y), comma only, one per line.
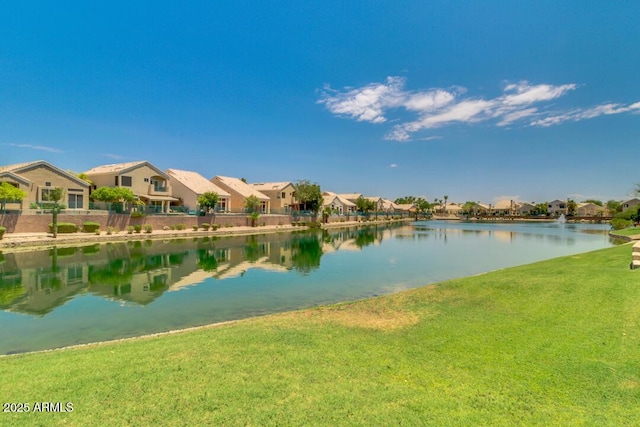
(551,343)
(627,231)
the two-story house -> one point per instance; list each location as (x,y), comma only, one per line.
(147,182)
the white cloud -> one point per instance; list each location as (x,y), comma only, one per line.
(437,107)
(393,165)
(113,156)
(37,147)
(367,103)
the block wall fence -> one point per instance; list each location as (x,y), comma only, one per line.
(39,223)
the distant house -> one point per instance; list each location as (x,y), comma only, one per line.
(557,207)
(632,203)
(504,208)
(390,206)
(337,204)
(525,209)
(146,181)
(352,197)
(378,203)
(188,186)
(281,194)
(38,178)
(589,209)
(240,191)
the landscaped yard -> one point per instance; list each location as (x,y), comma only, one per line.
(551,343)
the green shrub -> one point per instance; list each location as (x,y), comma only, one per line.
(137,214)
(137,228)
(2,231)
(112,230)
(148,228)
(195,227)
(90,227)
(205,226)
(130,229)
(64,227)
(620,223)
(173,226)
(181,226)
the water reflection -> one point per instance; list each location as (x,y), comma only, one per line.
(140,272)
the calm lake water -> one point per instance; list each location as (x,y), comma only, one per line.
(67,296)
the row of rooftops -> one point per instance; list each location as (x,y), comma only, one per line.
(199,185)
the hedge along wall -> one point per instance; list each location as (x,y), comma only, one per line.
(30,223)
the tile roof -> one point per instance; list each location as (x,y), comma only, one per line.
(242,188)
(271,186)
(196,182)
(115,167)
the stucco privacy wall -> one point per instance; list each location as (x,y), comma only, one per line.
(39,223)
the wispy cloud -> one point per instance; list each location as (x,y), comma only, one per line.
(393,165)
(36,147)
(113,156)
(520,103)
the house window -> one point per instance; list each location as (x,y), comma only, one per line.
(284,194)
(126,181)
(75,201)
(47,184)
(117,181)
(45,194)
(221,206)
(146,180)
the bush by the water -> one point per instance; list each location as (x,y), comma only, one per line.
(64,227)
(90,227)
(620,223)
(2,231)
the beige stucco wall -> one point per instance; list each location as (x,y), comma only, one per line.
(138,184)
(39,177)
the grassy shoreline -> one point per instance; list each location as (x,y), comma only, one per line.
(550,343)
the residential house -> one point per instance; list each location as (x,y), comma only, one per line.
(557,208)
(504,208)
(377,202)
(525,209)
(352,197)
(240,191)
(632,203)
(188,186)
(282,195)
(146,181)
(589,209)
(38,178)
(389,206)
(339,205)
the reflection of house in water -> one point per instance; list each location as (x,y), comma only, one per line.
(139,272)
(37,282)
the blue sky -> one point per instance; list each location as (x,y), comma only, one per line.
(532,100)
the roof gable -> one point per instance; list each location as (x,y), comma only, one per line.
(195,182)
(19,168)
(240,187)
(120,168)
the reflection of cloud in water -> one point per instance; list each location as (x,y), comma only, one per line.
(229,271)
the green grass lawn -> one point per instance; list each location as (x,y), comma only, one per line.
(627,231)
(551,343)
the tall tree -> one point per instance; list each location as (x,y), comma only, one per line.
(252,206)
(55,195)
(309,196)
(572,207)
(9,193)
(422,206)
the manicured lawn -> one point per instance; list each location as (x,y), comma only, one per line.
(551,343)
(627,231)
